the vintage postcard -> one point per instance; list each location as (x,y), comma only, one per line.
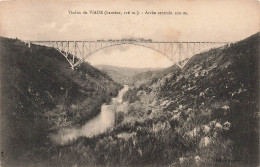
(129,83)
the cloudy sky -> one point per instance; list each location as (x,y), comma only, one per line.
(222,20)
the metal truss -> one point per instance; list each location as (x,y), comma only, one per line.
(179,53)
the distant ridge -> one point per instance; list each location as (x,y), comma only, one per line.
(123,74)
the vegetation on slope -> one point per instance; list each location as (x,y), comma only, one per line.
(40,92)
(124,75)
(202,115)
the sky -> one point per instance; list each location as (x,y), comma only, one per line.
(211,20)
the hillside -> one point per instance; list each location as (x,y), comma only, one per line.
(123,75)
(213,99)
(150,76)
(206,114)
(40,92)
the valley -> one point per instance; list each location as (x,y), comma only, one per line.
(204,114)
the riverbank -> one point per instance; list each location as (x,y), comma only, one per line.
(94,126)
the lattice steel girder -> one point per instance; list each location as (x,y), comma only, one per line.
(179,53)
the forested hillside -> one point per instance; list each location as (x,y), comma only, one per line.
(40,93)
(206,114)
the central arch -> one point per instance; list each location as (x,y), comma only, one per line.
(164,48)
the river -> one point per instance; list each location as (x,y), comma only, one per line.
(99,124)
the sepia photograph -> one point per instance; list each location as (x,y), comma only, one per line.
(137,83)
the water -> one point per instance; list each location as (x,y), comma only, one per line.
(96,125)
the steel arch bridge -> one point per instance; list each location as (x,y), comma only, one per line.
(178,53)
